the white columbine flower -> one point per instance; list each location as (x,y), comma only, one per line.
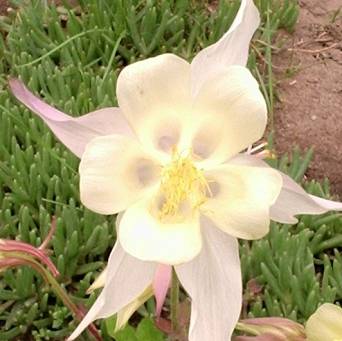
(168,161)
(325,324)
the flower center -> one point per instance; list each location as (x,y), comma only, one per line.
(183,186)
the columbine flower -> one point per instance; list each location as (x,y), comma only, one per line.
(325,324)
(169,161)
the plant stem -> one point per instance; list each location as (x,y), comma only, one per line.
(268,56)
(56,287)
(174,301)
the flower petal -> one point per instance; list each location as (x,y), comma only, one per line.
(154,95)
(292,200)
(143,236)
(99,281)
(126,279)
(75,133)
(213,281)
(325,324)
(125,313)
(232,114)
(161,283)
(327,205)
(231,49)
(114,173)
(92,315)
(241,198)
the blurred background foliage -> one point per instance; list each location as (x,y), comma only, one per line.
(71,55)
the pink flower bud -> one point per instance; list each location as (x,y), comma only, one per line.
(271,329)
(9,249)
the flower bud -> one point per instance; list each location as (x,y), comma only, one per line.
(11,252)
(271,329)
(325,324)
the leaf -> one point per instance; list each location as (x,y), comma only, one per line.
(110,325)
(127,334)
(147,331)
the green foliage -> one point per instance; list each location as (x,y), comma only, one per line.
(284,14)
(145,331)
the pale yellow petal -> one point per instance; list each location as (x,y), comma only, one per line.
(125,313)
(241,198)
(99,281)
(154,95)
(143,236)
(325,324)
(114,173)
(231,115)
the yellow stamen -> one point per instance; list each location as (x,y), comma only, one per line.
(182,184)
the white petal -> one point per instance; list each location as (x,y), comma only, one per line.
(231,49)
(213,281)
(241,198)
(231,115)
(126,279)
(91,315)
(74,132)
(114,173)
(292,200)
(327,205)
(154,95)
(142,235)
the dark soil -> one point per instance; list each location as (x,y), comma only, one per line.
(310,108)
(4,4)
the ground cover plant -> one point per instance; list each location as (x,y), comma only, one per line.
(72,57)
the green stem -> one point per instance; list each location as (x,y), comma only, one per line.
(59,291)
(174,301)
(268,56)
(48,277)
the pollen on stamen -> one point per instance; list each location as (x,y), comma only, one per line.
(182,184)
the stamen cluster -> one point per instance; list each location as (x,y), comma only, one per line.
(182,185)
